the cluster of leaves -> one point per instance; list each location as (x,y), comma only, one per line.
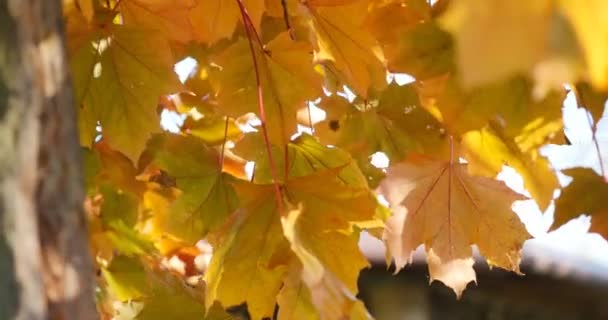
(179,228)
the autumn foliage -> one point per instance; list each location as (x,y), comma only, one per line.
(182,227)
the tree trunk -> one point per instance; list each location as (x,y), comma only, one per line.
(45,268)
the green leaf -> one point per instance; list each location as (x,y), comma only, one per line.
(126,278)
(305,155)
(119,213)
(213,130)
(425,51)
(207,195)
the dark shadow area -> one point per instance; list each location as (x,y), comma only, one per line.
(498,295)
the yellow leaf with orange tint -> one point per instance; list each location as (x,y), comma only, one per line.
(170,18)
(214,20)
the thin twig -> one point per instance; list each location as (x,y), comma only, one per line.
(286,19)
(312,127)
(450,169)
(249,29)
(249,24)
(224,143)
(115,8)
(580,104)
(593,128)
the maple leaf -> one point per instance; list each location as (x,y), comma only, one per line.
(509,103)
(213,130)
(411,42)
(294,299)
(286,82)
(214,20)
(304,156)
(334,196)
(424,52)
(586,194)
(119,213)
(497,39)
(158,295)
(329,295)
(392,122)
(126,278)
(487,152)
(242,269)
(119,73)
(116,169)
(170,18)
(438,204)
(207,195)
(339,38)
(387,20)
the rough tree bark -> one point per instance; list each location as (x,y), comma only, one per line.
(45,269)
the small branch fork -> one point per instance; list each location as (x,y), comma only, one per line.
(251,35)
(581,103)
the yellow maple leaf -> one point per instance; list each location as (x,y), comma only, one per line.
(333,299)
(294,298)
(509,103)
(214,20)
(242,268)
(487,153)
(170,18)
(386,20)
(256,252)
(287,81)
(438,204)
(339,36)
